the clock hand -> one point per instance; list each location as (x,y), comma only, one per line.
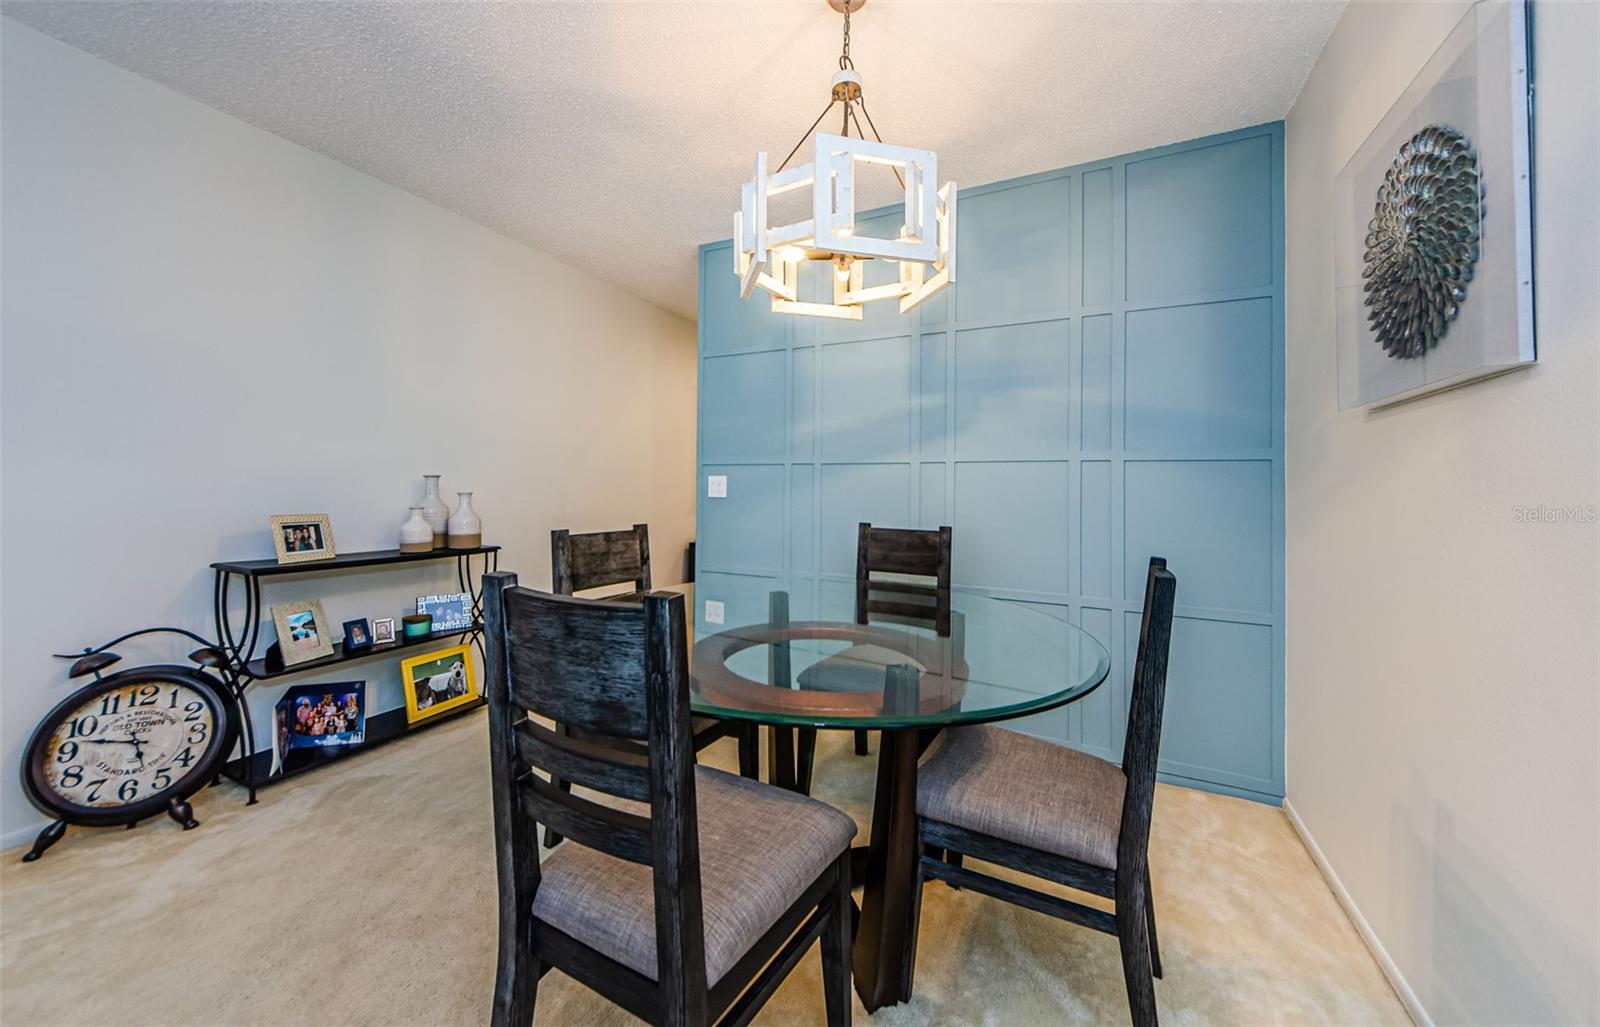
(112,741)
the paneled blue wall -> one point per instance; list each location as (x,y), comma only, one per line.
(1103,383)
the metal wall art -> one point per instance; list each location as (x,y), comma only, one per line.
(1434,231)
(1422,241)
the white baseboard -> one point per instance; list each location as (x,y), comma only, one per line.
(1397,980)
(21,835)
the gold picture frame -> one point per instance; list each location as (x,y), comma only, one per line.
(437,682)
(302,538)
(303,631)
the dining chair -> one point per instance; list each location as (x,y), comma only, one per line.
(1060,814)
(599,559)
(905,553)
(691,894)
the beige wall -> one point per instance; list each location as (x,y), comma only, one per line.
(1442,695)
(205,325)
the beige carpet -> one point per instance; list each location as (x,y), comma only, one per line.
(364,894)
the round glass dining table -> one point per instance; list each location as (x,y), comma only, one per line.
(752,660)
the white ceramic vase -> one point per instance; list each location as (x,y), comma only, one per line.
(416,534)
(434,510)
(465,527)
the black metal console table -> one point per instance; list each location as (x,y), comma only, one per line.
(240,645)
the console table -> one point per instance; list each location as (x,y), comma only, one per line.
(240,644)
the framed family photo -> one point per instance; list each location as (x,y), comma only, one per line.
(302,538)
(450,612)
(325,716)
(303,631)
(382,630)
(438,682)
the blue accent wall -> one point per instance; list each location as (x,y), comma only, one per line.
(1104,382)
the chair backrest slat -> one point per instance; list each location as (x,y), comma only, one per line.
(619,833)
(903,551)
(583,762)
(908,611)
(1141,747)
(600,558)
(578,662)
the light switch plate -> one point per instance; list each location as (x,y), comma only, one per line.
(713,612)
(716,486)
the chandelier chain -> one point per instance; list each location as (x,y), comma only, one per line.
(844,58)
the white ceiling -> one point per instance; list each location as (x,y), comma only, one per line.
(614,135)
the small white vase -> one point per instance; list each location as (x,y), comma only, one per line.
(416,534)
(466,527)
(433,509)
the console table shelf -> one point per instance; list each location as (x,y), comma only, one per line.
(344,561)
(240,638)
(380,729)
(262,670)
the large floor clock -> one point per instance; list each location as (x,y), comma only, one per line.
(129,745)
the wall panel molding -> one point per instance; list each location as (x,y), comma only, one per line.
(1105,381)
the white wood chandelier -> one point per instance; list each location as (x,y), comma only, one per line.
(770,256)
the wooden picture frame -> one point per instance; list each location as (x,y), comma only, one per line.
(304,632)
(302,538)
(437,682)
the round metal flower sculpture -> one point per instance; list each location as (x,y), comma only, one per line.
(1422,241)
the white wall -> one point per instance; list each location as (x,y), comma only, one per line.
(205,325)
(1442,694)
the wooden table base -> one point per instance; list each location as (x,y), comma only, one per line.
(885,951)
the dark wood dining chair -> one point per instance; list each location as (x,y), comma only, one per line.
(1061,814)
(599,559)
(691,895)
(899,551)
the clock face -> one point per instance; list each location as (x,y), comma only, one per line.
(128,744)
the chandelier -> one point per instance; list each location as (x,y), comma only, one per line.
(770,256)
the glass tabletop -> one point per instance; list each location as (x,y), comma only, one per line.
(789,652)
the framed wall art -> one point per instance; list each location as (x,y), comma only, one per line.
(1433,230)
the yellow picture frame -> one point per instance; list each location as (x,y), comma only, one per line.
(437,682)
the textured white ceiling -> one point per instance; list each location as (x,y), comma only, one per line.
(615,135)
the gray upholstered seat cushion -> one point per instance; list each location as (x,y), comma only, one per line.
(760,847)
(1024,790)
(860,668)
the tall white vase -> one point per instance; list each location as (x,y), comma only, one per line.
(434,510)
(466,527)
(416,534)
